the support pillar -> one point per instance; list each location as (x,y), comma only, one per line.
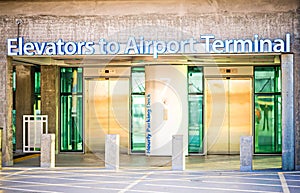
(112,145)
(288,129)
(50,98)
(48,150)
(246,153)
(1,129)
(24,100)
(6,114)
(178,157)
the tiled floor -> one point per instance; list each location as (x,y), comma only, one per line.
(210,162)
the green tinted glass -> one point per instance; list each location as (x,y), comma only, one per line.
(37,82)
(264,124)
(37,92)
(195,79)
(278,125)
(264,79)
(138,80)
(138,123)
(71,109)
(195,89)
(277,79)
(71,78)
(195,124)
(268,130)
(14,83)
(138,109)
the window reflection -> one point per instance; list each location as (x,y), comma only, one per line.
(195,88)
(138,109)
(71,109)
(267,110)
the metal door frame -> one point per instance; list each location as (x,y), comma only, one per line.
(222,73)
(103,77)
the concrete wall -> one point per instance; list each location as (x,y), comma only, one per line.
(170,19)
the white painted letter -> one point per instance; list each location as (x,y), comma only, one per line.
(207,37)
(279,46)
(288,42)
(10,47)
(131,45)
(29,48)
(218,44)
(159,47)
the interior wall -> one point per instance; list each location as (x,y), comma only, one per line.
(167,107)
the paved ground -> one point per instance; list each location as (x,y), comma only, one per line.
(89,179)
(138,173)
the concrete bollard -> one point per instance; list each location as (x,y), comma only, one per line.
(246,153)
(1,130)
(112,143)
(178,158)
(47,151)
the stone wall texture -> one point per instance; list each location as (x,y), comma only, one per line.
(165,20)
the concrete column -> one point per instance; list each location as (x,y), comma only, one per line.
(246,153)
(48,150)
(178,157)
(1,129)
(112,145)
(6,101)
(50,98)
(288,129)
(24,99)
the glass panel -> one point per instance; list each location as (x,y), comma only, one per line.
(278,79)
(138,123)
(14,129)
(37,82)
(138,80)
(278,126)
(195,124)
(71,109)
(265,124)
(195,89)
(37,92)
(14,82)
(195,78)
(138,109)
(264,79)
(71,78)
(268,110)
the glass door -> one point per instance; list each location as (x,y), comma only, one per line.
(107,112)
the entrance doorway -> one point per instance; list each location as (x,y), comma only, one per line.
(106,112)
(228,113)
